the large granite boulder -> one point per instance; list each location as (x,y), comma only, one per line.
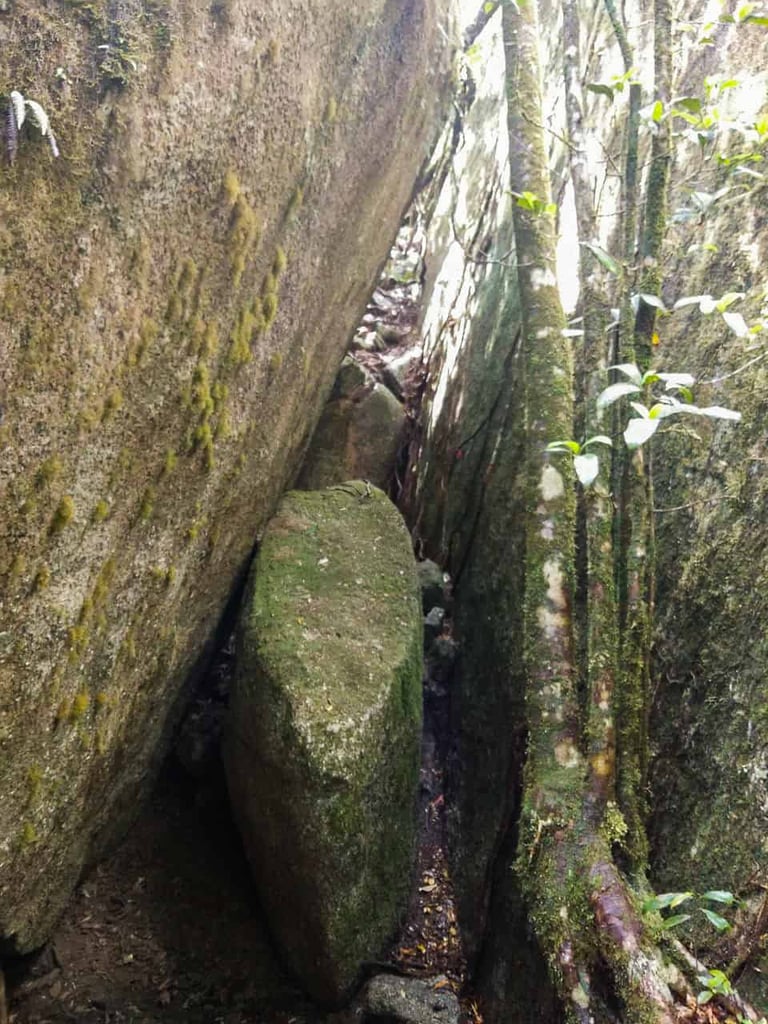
(359,434)
(322,751)
(176,292)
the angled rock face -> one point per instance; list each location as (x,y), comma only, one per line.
(322,752)
(176,291)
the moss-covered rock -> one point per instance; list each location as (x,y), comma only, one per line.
(176,291)
(359,433)
(322,751)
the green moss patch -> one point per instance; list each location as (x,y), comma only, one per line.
(323,752)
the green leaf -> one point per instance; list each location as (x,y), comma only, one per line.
(657,111)
(639,431)
(704,997)
(564,446)
(674,921)
(614,392)
(666,899)
(586,467)
(727,300)
(603,258)
(680,897)
(488,7)
(745,11)
(719,896)
(690,103)
(685,393)
(719,922)
(601,90)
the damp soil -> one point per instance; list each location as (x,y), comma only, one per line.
(168,929)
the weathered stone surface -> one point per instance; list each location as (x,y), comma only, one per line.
(358,436)
(389,999)
(175,296)
(399,370)
(322,752)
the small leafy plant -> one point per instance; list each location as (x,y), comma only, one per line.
(20,111)
(650,414)
(715,983)
(672,900)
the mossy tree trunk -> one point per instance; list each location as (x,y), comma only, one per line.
(580,907)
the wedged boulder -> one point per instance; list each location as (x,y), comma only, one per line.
(231,175)
(359,433)
(389,999)
(322,748)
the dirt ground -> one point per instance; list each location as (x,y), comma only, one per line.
(168,929)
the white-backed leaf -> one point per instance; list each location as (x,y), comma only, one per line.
(19,110)
(598,439)
(586,467)
(639,431)
(564,446)
(614,392)
(640,409)
(661,410)
(680,897)
(737,323)
(653,300)
(717,412)
(629,370)
(690,300)
(572,332)
(38,115)
(707,305)
(678,380)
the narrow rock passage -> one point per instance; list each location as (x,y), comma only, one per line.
(430,942)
